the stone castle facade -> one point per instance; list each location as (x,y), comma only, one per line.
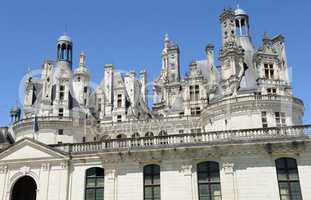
(231,132)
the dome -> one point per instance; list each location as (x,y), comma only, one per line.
(240,11)
(15,110)
(64,38)
(81,71)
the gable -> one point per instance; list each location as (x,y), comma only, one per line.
(29,150)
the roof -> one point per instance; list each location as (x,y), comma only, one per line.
(240,11)
(64,38)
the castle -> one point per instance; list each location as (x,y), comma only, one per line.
(230,132)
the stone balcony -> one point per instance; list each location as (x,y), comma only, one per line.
(267,135)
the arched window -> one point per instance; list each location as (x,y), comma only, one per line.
(209,181)
(94,183)
(149,134)
(162,133)
(135,135)
(288,179)
(152,182)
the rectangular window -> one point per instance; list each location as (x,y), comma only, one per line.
(194,92)
(99,104)
(288,179)
(60,132)
(271,91)
(85,89)
(61,112)
(119,100)
(61,92)
(269,71)
(195,111)
(152,182)
(119,118)
(280,119)
(264,120)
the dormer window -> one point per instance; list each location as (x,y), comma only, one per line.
(119,100)
(269,71)
(194,92)
(61,92)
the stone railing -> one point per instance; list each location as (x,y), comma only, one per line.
(187,140)
(281,98)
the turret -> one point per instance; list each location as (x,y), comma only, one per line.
(81,82)
(170,61)
(64,49)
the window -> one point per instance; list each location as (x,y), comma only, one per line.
(194,92)
(61,92)
(152,182)
(61,112)
(280,119)
(85,89)
(119,100)
(99,105)
(60,132)
(271,91)
(264,120)
(209,181)
(195,111)
(288,179)
(269,71)
(195,131)
(119,118)
(94,184)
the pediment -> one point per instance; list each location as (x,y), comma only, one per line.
(29,150)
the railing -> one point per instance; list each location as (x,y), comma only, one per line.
(173,141)
(257,98)
(41,118)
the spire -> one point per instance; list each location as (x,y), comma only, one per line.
(166,38)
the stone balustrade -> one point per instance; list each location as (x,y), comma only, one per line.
(187,140)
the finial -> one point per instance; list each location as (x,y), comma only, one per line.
(266,36)
(166,38)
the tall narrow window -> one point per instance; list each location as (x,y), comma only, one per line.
(61,112)
(269,71)
(99,104)
(264,119)
(152,182)
(288,179)
(94,184)
(119,100)
(209,181)
(61,92)
(280,119)
(194,92)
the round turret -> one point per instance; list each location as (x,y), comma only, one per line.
(64,48)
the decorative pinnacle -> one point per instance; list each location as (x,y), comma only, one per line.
(166,38)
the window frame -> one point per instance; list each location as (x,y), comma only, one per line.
(96,178)
(207,172)
(153,185)
(288,173)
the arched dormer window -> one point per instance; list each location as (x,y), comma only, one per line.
(152,189)
(209,181)
(288,179)
(94,183)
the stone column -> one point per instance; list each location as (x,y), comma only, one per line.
(228,185)
(110,183)
(3,180)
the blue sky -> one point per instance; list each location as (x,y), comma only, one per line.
(129,34)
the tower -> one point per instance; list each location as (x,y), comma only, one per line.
(64,49)
(170,61)
(62,80)
(81,82)
(241,22)
(231,54)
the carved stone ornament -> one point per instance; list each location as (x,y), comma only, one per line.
(25,170)
(45,166)
(3,169)
(228,168)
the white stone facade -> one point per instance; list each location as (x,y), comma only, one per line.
(239,118)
